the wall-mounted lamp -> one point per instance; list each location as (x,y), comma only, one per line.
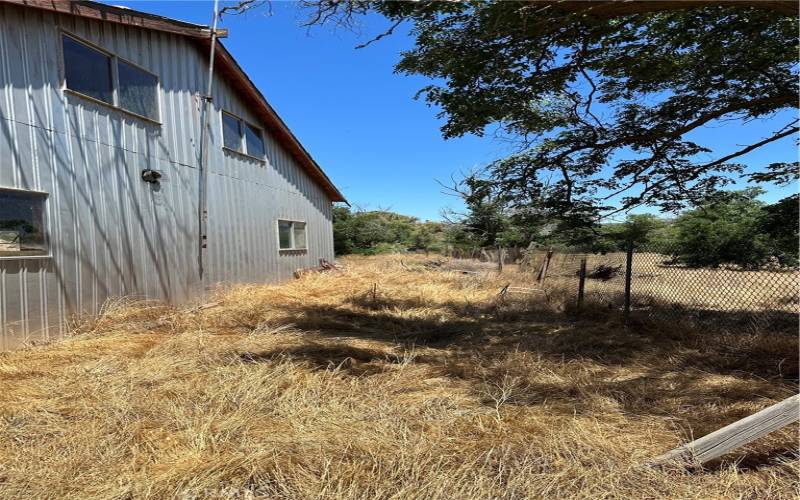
(151,176)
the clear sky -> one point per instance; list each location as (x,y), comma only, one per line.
(360,121)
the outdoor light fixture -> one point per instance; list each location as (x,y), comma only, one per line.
(151,176)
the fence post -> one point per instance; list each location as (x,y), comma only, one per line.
(628,272)
(499,259)
(581,283)
(545,265)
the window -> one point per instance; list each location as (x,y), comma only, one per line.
(291,235)
(255,143)
(242,137)
(299,232)
(231,132)
(87,71)
(285,234)
(90,72)
(138,90)
(22,230)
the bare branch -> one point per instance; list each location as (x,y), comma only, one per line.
(724,159)
(386,33)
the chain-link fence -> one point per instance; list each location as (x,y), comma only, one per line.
(720,298)
(660,288)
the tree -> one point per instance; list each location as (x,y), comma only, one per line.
(724,230)
(585,86)
(371,232)
(779,224)
(489,217)
(427,236)
(641,229)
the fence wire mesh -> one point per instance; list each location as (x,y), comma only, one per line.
(605,274)
(722,298)
(719,298)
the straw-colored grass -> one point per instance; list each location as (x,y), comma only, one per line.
(428,388)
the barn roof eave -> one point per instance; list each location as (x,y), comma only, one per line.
(224,61)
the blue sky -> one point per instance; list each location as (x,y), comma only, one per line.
(359,120)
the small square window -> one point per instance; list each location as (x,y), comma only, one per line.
(291,235)
(138,90)
(87,71)
(22,231)
(255,141)
(231,132)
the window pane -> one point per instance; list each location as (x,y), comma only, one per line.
(284,234)
(87,71)
(255,143)
(231,132)
(299,235)
(138,90)
(21,224)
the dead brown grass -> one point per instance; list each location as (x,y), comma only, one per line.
(428,388)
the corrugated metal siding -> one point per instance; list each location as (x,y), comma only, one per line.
(110,233)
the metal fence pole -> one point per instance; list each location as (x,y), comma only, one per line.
(581,283)
(628,271)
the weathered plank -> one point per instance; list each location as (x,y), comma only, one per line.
(736,434)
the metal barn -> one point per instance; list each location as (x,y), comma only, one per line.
(109,185)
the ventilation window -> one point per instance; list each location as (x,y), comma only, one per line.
(22,231)
(96,74)
(291,235)
(241,136)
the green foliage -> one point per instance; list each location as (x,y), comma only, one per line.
(601,96)
(736,228)
(779,222)
(490,219)
(641,229)
(380,231)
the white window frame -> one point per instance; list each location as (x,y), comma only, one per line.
(114,79)
(45,225)
(242,136)
(291,233)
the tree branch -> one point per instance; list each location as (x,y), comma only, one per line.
(382,35)
(611,9)
(751,147)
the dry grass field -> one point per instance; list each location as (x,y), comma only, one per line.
(388,380)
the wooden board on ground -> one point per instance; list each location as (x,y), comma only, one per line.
(737,434)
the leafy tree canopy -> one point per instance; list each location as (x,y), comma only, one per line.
(736,228)
(371,232)
(586,86)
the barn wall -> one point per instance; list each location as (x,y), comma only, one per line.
(110,233)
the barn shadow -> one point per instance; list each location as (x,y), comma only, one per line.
(352,360)
(663,364)
(764,347)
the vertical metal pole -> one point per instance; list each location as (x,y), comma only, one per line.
(581,283)
(202,205)
(628,270)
